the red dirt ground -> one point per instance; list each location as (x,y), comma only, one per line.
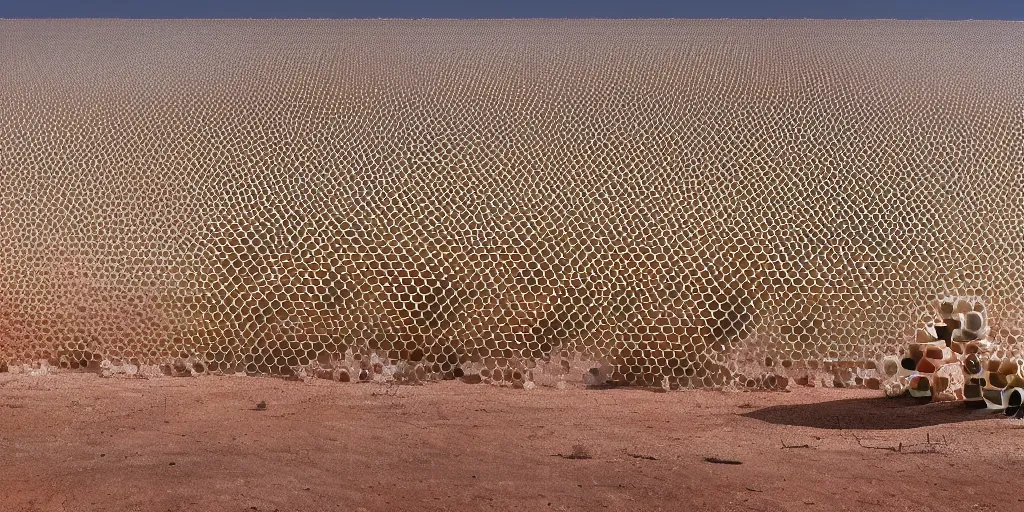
(80,442)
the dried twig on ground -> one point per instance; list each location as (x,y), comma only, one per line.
(639,456)
(716,460)
(785,446)
(928,446)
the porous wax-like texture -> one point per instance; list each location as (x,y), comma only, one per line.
(676,203)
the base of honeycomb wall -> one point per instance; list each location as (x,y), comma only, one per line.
(108,368)
(840,372)
(336,374)
(555,372)
(35,368)
(818,378)
(767,381)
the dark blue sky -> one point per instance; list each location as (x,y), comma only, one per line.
(901,9)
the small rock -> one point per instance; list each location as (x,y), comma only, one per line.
(262,406)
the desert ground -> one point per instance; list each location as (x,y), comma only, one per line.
(80,442)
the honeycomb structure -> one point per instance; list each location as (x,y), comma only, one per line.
(947,356)
(952,359)
(675,203)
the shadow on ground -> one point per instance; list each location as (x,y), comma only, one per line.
(869,414)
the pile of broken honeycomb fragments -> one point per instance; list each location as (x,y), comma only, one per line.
(952,359)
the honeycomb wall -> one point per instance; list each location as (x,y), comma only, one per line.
(684,203)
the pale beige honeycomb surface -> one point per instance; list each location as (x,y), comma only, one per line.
(675,203)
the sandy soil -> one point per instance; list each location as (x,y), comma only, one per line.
(80,442)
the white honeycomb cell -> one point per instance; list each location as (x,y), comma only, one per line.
(662,203)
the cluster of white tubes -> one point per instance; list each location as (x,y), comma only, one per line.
(952,359)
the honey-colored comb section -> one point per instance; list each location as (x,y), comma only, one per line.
(657,203)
